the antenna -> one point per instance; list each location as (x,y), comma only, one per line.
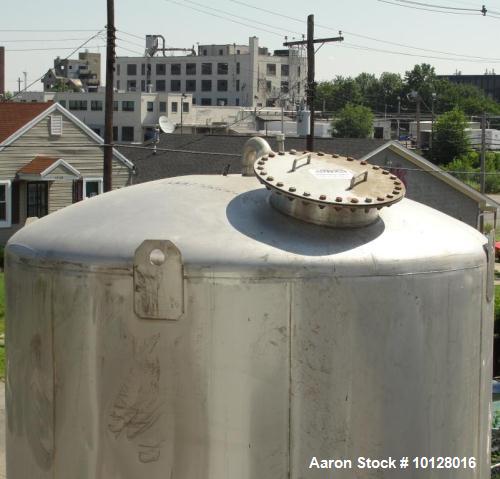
(166,125)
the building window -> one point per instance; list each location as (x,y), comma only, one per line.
(221,101)
(237,85)
(127,133)
(92,187)
(96,105)
(238,52)
(205,52)
(131,85)
(78,105)
(190,68)
(190,85)
(118,69)
(173,107)
(5,200)
(150,106)
(143,69)
(175,69)
(161,69)
(128,106)
(221,52)
(185,107)
(238,68)
(115,133)
(221,85)
(56,125)
(115,106)
(131,69)
(161,85)
(206,68)
(284,86)
(222,68)
(284,70)
(37,199)
(62,103)
(175,85)
(271,69)
(206,85)
(298,71)
(237,102)
(269,86)
(163,106)
(206,101)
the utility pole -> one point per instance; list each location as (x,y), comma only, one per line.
(311,84)
(432,122)
(19,84)
(483,165)
(417,119)
(399,114)
(25,80)
(108,110)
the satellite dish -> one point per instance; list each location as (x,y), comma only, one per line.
(166,125)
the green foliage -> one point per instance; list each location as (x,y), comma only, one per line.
(353,121)
(450,139)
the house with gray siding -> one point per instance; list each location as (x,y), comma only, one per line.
(427,183)
(49,159)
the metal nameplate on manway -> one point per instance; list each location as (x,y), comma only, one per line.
(158,280)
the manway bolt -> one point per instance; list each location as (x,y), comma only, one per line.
(292,189)
(280,184)
(322,197)
(338,198)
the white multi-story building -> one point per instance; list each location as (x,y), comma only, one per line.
(218,75)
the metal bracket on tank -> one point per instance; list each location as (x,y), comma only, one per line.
(489,248)
(158,280)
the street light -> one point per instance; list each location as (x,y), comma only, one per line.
(182,109)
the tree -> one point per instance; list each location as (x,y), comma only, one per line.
(353,121)
(450,139)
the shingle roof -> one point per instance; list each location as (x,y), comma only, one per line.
(37,165)
(14,115)
(168,164)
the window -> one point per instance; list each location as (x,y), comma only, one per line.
(163,106)
(221,85)
(173,107)
(143,85)
(185,107)
(150,106)
(5,200)
(115,106)
(115,133)
(206,68)
(190,85)
(271,69)
(128,106)
(206,101)
(117,84)
(238,52)
(92,187)
(127,133)
(222,101)
(237,102)
(143,69)
(298,70)
(131,85)
(238,68)
(62,103)
(190,68)
(96,105)
(56,125)
(77,105)
(161,85)
(205,52)
(131,69)
(221,52)
(206,85)
(175,85)
(269,86)
(285,70)
(175,69)
(284,86)
(161,69)
(222,68)
(237,85)
(118,69)
(37,198)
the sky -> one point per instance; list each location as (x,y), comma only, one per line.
(371,29)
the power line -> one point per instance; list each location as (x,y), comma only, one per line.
(48,49)
(45,30)
(42,40)
(427,9)
(443,7)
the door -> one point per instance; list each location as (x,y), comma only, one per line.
(37,198)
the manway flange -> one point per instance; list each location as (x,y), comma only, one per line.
(328,189)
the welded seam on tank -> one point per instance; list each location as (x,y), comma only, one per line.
(52,340)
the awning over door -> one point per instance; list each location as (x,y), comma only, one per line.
(47,168)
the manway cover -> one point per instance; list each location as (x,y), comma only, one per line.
(328,189)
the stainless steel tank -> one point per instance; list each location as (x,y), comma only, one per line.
(208,327)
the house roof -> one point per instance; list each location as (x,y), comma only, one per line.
(424,164)
(49,108)
(188,157)
(14,115)
(37,165)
